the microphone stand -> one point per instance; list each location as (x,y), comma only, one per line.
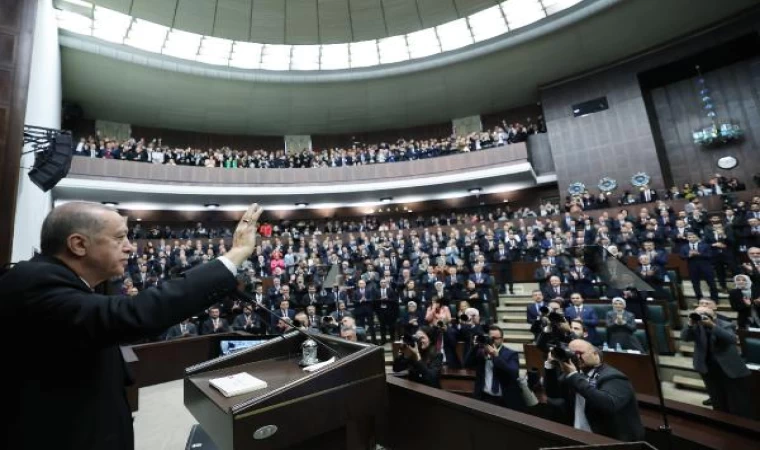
(308,335)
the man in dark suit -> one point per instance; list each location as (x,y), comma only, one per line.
(364,299)
(215,324)
(555,290)
(182,329)
(387,309)
(544,273)
(82,246)
(533,311)
(585,313)
(282,316)
(496,372)
(249,322)
(718,362)
(593,396)
(697,255)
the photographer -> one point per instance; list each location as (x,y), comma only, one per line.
(437,313)
(718,362)
(590,395)
(420,358)
(496,370)
(621,325)
(466,326)
(552,327)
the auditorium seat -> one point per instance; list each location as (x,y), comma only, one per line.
(752,350)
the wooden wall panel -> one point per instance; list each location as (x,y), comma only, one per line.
(16,38)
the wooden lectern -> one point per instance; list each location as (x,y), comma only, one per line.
(335,407)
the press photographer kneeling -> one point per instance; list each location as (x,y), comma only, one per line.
(420,358)
(590,395)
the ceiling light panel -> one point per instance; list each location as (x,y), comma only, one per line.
(522,12)
(454,35)
(110,25)
(181,44)
(423,43)
(364,54)
(487,23)
(276,57)
(246,55)
(393,49)
(335,57)
(74,22)
(305,57)
(215,51)
(146,36)
(553,6)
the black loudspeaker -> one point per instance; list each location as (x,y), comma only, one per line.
(52,164)
(590,107)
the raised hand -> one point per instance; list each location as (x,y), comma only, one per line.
(244,239)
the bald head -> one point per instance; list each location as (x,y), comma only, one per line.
(74,217)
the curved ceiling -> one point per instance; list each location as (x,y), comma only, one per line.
(299,21)
(134,87)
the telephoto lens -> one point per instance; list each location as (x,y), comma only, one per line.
(464,318)
(544,310)
(483,339)
(562,353)
(440,324)
(696,317)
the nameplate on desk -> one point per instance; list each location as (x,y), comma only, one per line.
(238,384)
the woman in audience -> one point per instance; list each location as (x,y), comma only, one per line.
(745,299)
(420,358)
(621,325)
(437,312)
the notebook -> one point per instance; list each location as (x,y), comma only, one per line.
(238,384)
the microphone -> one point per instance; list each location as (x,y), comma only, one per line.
(309,335)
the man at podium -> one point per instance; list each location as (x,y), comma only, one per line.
(69,392)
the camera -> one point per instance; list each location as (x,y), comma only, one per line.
(327,319)
(483,339)
(696,317)
(440,324)
(544,310)
(555,317)
(464,318)
(562,353)
(409,340)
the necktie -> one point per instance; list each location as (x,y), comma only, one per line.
(556,289)
(578,311)
(693,246)
(182,328)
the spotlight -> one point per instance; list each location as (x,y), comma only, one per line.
(211,205)
(138,219)
(386,199)
(110,203)
(476,190)
(302,205)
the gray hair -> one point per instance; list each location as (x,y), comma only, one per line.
(67,219)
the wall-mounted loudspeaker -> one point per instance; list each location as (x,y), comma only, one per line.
(53,162)
(590,107)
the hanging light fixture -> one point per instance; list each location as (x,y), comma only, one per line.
(719,132)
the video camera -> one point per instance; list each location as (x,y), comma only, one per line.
(696,317)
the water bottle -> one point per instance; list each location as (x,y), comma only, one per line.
(606,347)
(618,348)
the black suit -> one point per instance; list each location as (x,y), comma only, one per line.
(82,333)
(506,366)
(611,406)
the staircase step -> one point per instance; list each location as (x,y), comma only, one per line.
(516,326)
(676,362)
(518,337)
(503,309)
(689,383)
(520,318)
(686,349)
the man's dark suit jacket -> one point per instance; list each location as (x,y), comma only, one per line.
(611,406)
(506,367)
(176,331)
(589,318)
(722,346)
(531,312)
(74,373)
(207,327)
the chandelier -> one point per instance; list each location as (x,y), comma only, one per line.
(719,132)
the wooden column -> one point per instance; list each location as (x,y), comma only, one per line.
(17,19)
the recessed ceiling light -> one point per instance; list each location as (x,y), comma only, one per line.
(211,205)
(386,199)
(110,203)
(476,190)
(139,219)
(302,204)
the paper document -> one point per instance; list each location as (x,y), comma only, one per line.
(317,366)
(240,383)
